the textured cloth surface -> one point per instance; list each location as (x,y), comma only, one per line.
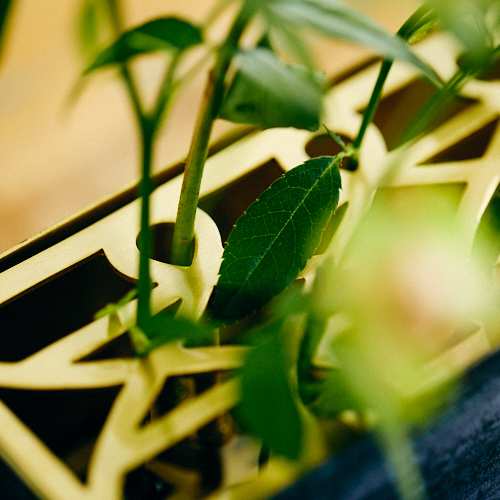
(459,454)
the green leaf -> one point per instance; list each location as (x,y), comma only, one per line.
(335,19)
(418,25)
(486,248)
(336,138)
(333,395)
(115,307)
(160,34)
(275,237)
(166,326)
(267,93)
(268,408)
(467,21)
(94,26)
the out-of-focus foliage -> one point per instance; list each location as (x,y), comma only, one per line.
(267,93)
(476,26)
(406,287)
(158,35)
(5,8)
(336,19)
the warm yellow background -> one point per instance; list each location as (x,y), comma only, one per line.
(56,160)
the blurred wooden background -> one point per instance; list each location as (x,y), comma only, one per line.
(56,159)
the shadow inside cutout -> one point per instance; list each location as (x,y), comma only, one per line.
(67,421)
(163,235)
(399,109)
(58,306)
(144,484)
(227,204)
(471,147)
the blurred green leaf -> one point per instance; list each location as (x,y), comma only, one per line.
(333,395)
(159,34)
(335,19)
(166,326)
(272,242)
(486,248)
(418,25)
(268,407)
(93,20)
(114,308)
(267,93)
(5,7)
(467,20)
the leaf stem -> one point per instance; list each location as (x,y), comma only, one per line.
(147,129)
(144,284)
(183,238)
(370,112)
(415,27)
(148,124)
(396,442)
(165,92)
(435,104)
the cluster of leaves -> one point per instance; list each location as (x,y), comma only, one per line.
(287,222)
(272,242)
(476,27)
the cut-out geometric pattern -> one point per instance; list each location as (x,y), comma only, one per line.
(92,355)
(469,148)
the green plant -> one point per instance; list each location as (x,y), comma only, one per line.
(281,231)
(254,95)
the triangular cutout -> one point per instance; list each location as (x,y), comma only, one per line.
(471,147)
(68,421)
(55,307)
(227,204)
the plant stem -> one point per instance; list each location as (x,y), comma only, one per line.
(370,112)
(144,284)
(398,447)
(435,104)
(147,130)
(183,238)
(421,18)
(166,89)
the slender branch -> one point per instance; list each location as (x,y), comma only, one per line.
(183,238)
(147,131)
(165,93)
(410,31)
(370,112)
(144,284)
(435,104)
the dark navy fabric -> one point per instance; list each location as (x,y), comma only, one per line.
(459,454)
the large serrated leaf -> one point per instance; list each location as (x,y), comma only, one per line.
(159,34)
(268,408)
(267,93)
(275,237)
(336,19)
